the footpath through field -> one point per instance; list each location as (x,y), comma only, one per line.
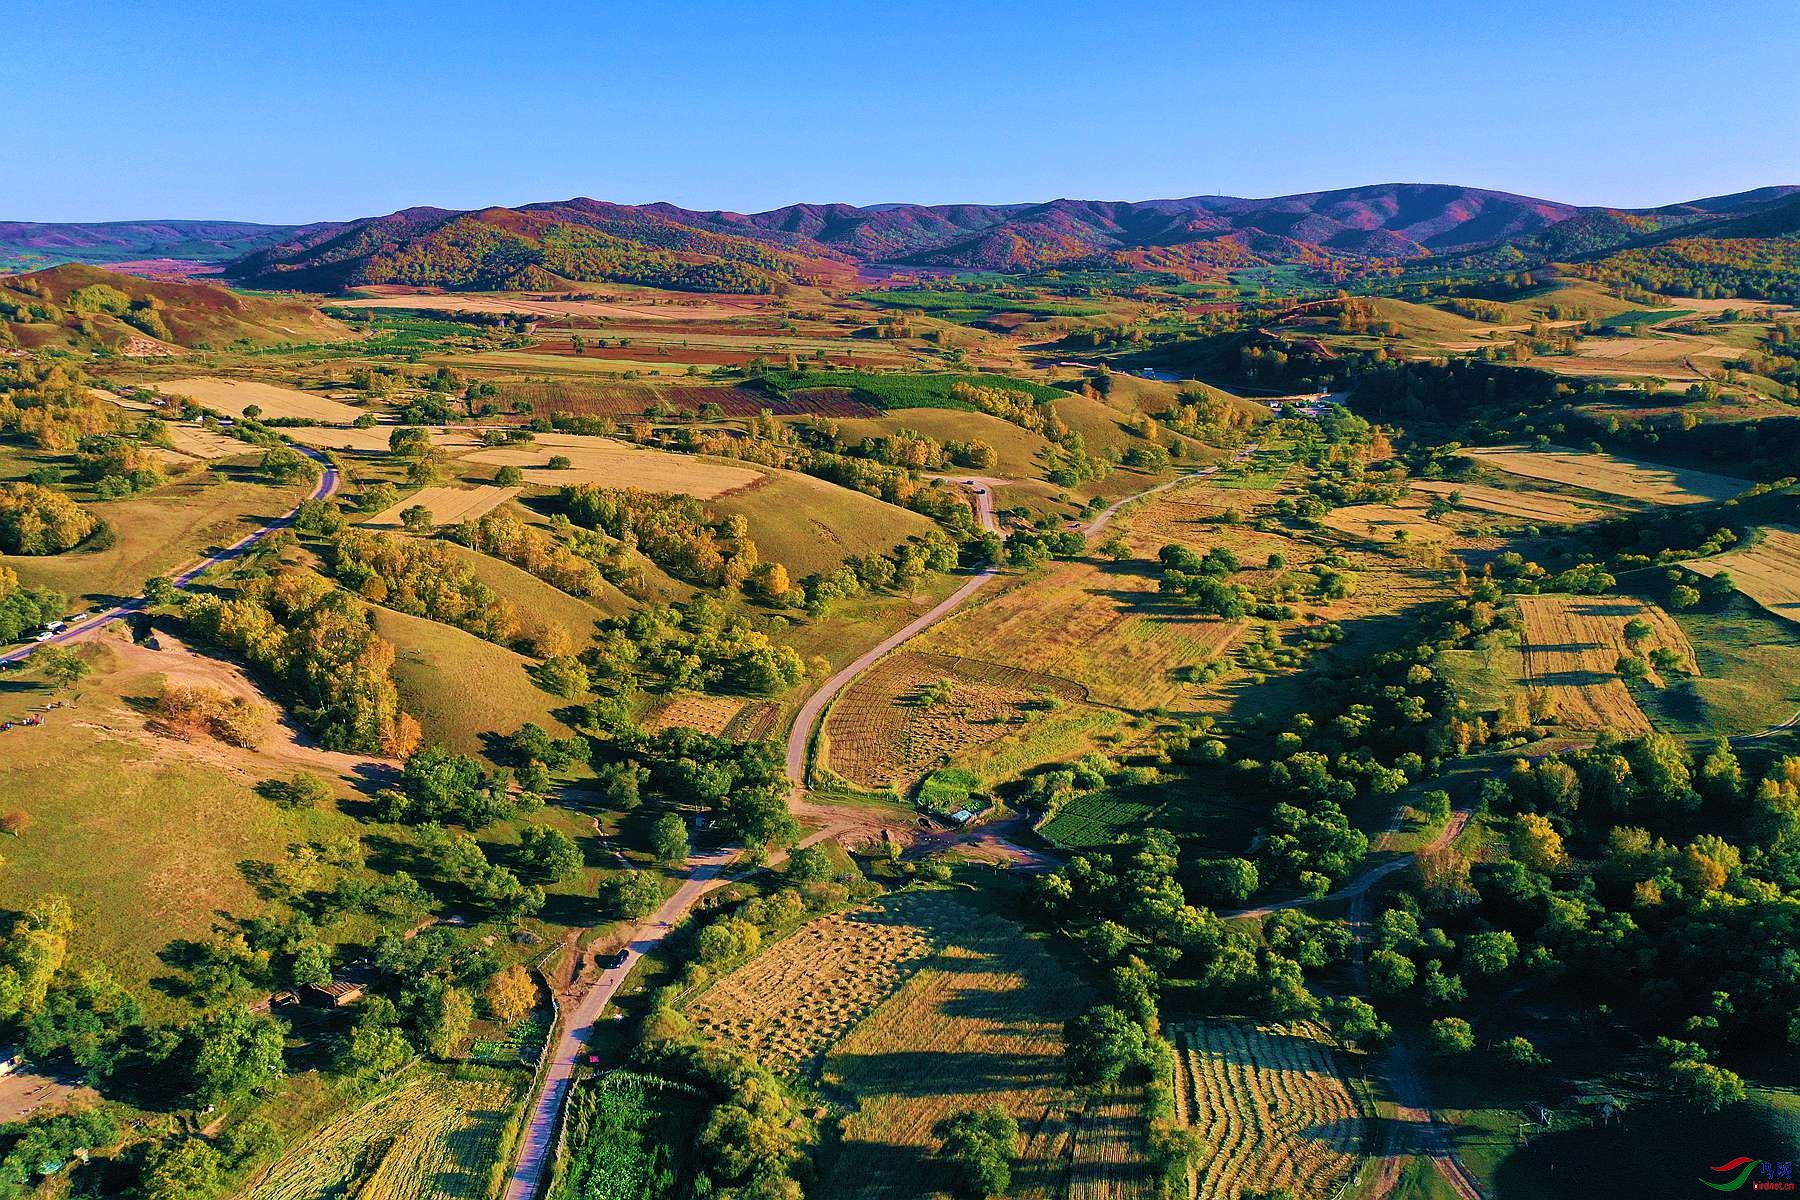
(328,486)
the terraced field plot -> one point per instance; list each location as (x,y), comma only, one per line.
(1610,475)
(1271,1106)
(1572,647)
(1526,504)
(432,1138)
(1768,572)
(447,505)
(233,396)
(881,733)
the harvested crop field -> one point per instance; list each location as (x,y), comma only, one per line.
(795,1000)
(615,464)
(1610,475)
(1768,572)
(708,714)
(1271,1107)
(432,1137)
(191,444)
(978,1010)
(232,396)
(1385,524)
(447,505)
(1103,627)
(883,732)
(1572,646)
(1527,505)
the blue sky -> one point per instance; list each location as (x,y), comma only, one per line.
(323,110)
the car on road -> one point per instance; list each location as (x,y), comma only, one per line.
(615,959)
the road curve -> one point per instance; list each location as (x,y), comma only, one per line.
(800,733)
(329,482)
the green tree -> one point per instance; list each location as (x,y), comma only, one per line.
(232,1052)
(62,667)
(550,855)
(1102,1044)
(982,1144)
(669,838)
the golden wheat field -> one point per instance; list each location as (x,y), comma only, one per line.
(1271,1106)
(1611,475)
(1767,571)
(447,505)
(233,396)
(1526,504)
(615,464)
(882,732)
(1572,646)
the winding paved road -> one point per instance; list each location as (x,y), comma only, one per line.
(328,486)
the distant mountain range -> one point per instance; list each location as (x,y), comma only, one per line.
(582,241)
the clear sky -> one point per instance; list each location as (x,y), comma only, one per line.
(289,112)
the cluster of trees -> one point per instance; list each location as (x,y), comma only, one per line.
(319,645)
(678,533)
(40,520)
(698,646)
(424,578)
(116,466)
(23,608)
(51,405)
(505,536)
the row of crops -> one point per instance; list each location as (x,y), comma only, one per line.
(1271,1106)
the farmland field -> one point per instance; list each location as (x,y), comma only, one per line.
(1098,819)
(615,464)
(809,525)
(1102,627)
(881,733)
(795,1000)
(1271,1107)
(1768,571)
(1610,475)
(979,1012)
(433,1136)
(1572,645)
(232,396)
(1526,504)
(1384,524)
(708,714)
(447,505)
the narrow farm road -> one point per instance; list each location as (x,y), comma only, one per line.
(328,486)
(537,1146)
